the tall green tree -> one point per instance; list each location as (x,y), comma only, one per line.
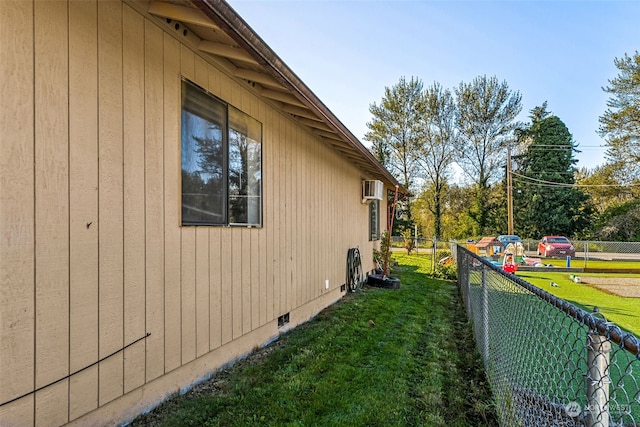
(545,198)
(436,152)
(396,129)
(486,120)
(620,123)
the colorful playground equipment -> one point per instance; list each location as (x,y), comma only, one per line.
(509,263)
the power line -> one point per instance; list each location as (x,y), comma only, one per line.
(543,183)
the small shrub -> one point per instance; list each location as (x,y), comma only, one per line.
(445,266)
(379,255)
(446,271)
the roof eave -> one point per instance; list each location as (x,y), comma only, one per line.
(221,13)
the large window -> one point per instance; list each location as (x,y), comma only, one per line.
(221,162)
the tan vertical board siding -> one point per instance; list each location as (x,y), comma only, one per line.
(290,221)
(236,282)
(134,197)
(312,219)
(338,248)
(320,206)
(188,294)
(172,200)
(316,207)
(276,208)
(110,200)
(268,203)
(154,203)
(215,289)
(17,230)
(245,272)
(83,199)
(286,242)
(288,217)
(226,286)
(296,247)
(303,223)
(281,200)
(188,255)
(172,203)
(201,293)
(52,210)
(324,176)
(262,239)
(309,225)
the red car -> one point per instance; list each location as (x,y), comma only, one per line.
(551,246)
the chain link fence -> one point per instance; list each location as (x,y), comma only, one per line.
(549,362)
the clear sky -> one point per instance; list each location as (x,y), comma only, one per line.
(561,52)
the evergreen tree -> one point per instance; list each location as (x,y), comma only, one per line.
(620,124)
(545,199)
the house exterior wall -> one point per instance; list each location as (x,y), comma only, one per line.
(101,288)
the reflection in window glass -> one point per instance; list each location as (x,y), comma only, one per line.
(245,169)
(203,170)
(221,162)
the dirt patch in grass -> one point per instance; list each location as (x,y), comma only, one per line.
(628,287)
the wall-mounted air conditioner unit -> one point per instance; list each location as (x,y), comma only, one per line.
(372,190)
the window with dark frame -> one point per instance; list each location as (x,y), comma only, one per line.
(374,220)
(221,155)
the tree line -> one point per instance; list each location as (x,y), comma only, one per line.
(451,147)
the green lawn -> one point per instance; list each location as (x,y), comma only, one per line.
(593,263)
(625,312)
(378,357)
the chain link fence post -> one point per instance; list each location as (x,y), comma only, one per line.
(586,254)
(598,380)
(485,315)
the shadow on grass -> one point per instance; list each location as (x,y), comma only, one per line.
(378,357)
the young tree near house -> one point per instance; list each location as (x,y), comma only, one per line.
(395,129)
(457,224)
(545,199)
(486,120)
(620,124)
(435,154)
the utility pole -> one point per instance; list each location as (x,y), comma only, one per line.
(509,193)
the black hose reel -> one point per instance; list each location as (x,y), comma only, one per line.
(355,277)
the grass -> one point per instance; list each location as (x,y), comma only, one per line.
(623,311)
(593,263)
(376,358)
